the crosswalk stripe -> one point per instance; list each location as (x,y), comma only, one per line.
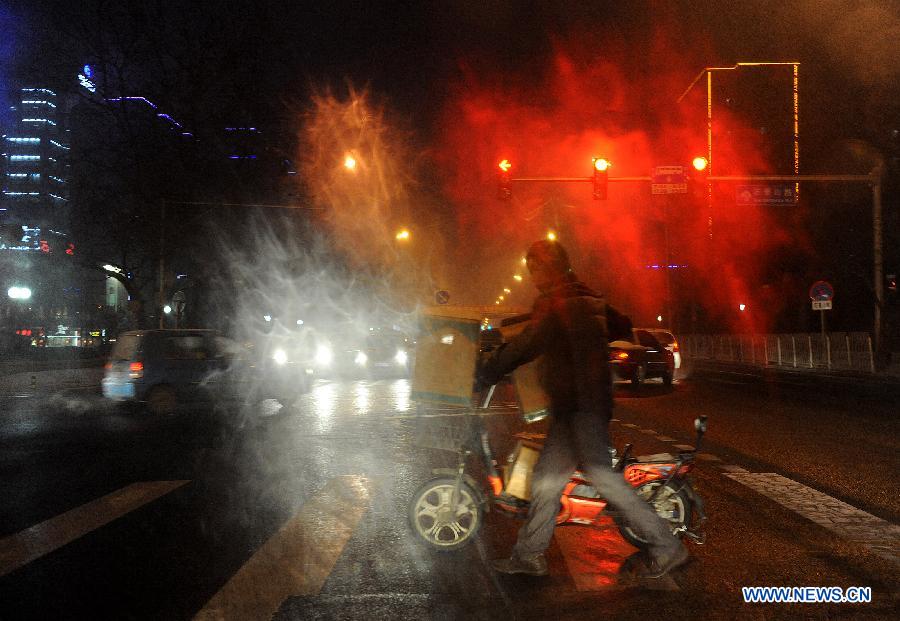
(297,559)
(845,520)
(36,541)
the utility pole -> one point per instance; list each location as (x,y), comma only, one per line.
(160,302)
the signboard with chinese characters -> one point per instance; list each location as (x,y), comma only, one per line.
(766,194)
(821,305)
(668,180)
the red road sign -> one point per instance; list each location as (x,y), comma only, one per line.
(821,291)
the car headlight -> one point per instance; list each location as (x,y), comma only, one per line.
(324,355)
(401,357)
(280,356)
(361,359)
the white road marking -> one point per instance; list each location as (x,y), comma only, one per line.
(683,447)
(665,438)
(630,425)
(649,432)
(298,558)
(845,520)
(41,539)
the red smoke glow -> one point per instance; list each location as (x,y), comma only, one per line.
(580,104)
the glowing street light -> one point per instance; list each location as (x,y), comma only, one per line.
(403,235)
(507,291)
(349,162)
(742,307)
(659,318)
(517,278)
(167,309)
(551,236)
(700,163)
(19,293)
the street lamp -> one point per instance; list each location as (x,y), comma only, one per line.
(551,236)
(19,293)
(517,277)
(402,235)
(350,162)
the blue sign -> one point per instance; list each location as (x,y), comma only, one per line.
(766,194)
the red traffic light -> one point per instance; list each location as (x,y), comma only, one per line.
(601,164)
(505,183)
(700,163)
(601,177)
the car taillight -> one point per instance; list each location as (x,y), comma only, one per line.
(136,369)
(622,355)
(107,366)
(674,346)
(685,469)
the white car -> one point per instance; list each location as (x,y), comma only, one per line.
(667,340)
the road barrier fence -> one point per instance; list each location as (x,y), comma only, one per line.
(836,351)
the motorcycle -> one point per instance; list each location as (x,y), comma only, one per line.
(447,511)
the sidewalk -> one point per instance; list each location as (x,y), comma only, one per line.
(888,383)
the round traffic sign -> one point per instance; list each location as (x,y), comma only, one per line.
(442,297)
(821,290)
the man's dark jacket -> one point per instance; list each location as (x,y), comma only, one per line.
(570,329)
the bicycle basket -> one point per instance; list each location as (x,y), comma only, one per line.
(443,433)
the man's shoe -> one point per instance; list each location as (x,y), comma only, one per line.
(663,564)
(536,566)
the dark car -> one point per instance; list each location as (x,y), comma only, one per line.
(641,357)
(165,368)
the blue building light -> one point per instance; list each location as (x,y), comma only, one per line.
(38,102)
(88,71)
(39,90)
(165,116)
(59,198)
(144,99)
(8,193)
(23,140)
(57,179)
(38,121)
(86,83)
(61,146)
(24,158)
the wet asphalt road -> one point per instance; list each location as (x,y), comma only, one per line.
(303,510)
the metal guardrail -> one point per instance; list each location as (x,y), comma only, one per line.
(837,351)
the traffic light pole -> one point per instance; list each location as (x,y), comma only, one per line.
(873,179)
